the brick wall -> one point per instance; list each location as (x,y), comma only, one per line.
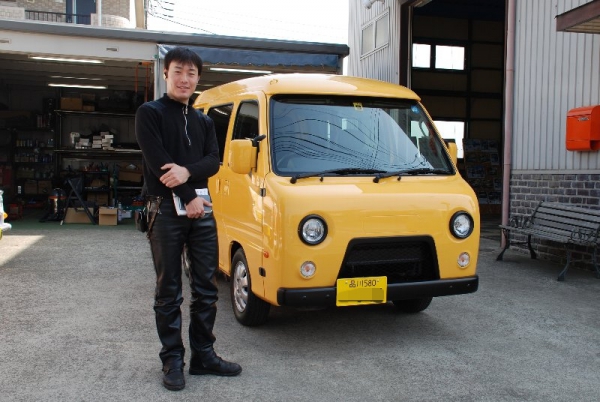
(527,190)
(10,11)
(113,21)
(116,7)
(54,6)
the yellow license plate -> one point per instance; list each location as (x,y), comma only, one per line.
(355,291)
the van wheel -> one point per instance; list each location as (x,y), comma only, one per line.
(413,305)
(249,310)
(185,261)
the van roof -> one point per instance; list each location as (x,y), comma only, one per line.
(306,83)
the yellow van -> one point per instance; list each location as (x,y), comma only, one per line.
(336,191)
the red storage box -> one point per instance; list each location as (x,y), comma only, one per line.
(583,129)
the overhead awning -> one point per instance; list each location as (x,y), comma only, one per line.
(305,57)
(239,57)
(583,19)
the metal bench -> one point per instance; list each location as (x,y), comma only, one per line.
(566,224)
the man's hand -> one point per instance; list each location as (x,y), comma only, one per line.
(175,176)
(195,208)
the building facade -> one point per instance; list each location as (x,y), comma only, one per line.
(545,73)
(114,13)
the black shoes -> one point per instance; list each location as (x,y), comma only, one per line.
(214,365)
(173,379)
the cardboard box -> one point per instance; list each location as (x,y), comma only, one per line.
(78,215)
(98,198)
(130,175)
(44,186)
(107,216)
(71,104)
(30,187)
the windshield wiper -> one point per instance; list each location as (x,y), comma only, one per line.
(340,171)
(412,172)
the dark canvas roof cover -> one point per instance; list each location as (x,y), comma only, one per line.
(241,57)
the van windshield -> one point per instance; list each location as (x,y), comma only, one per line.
(362,135)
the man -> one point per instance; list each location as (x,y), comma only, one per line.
(180,153)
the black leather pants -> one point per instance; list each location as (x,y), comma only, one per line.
(167,238)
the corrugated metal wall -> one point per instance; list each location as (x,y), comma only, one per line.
(554,72)
(383,64)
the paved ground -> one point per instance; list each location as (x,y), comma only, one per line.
(76,324)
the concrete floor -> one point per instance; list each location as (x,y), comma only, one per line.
(76,324)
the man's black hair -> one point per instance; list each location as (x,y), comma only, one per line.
(184,56)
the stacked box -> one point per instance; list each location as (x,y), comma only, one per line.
(30,187)
(107,216)
(44,186)
(78,216)
(71,104)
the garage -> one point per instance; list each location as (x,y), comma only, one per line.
(68,94)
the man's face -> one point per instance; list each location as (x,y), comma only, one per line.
(181,81)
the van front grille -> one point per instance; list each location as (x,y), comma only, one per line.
(400,259)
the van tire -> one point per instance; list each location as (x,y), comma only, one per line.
(249,310)
(412,306)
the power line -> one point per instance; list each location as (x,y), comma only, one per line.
(224,24)
(178,23)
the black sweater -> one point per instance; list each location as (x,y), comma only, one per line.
(168,131)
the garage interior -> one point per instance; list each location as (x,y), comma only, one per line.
(60,118)
(458,69)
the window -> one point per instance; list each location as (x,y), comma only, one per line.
(450,57)
(421,55)
(311,134)
(221,116)
(368,42)
(444,57)
(246,121)
(375,35)
(452,130)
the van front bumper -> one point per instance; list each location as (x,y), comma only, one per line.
(324,297)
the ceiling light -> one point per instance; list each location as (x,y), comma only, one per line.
(77,86)
(238,70)
(66,59)
(421,3)
(76,78)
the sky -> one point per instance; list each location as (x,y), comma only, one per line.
(323,21)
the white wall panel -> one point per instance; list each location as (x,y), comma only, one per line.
(382,64)
(554,72)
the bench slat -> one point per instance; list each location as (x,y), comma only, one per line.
(563,224)
(566,220)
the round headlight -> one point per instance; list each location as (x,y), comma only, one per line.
(312,230)
(461,225)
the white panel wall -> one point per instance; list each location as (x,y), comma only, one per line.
(554,72)
(383,64)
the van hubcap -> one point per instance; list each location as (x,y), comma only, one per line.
(240,287)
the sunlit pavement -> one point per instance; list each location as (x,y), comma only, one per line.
(77,325)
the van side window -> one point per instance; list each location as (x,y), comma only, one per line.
(246,121)
(221,115)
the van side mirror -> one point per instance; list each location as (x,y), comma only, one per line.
(453,151)
(242,156)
